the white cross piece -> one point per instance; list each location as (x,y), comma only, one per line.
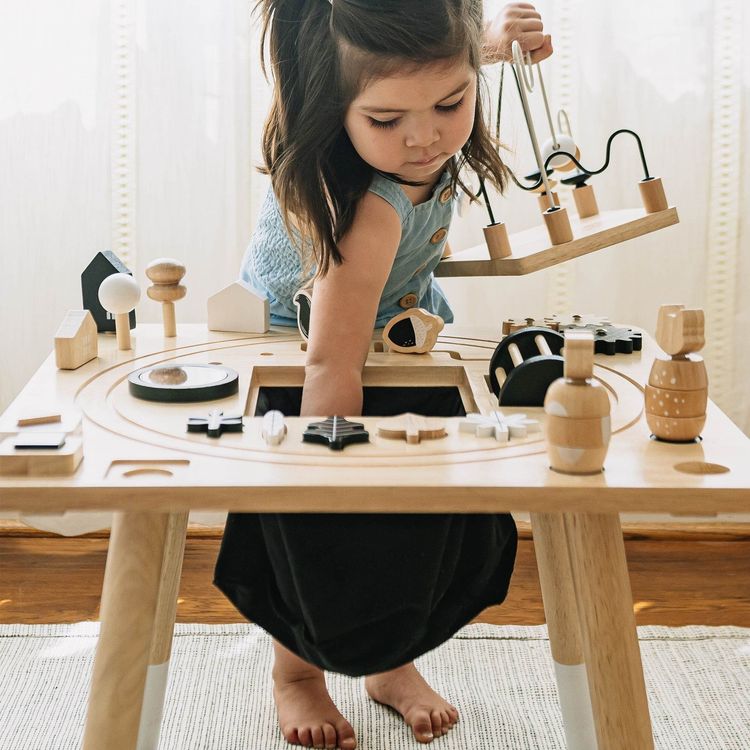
(497,425)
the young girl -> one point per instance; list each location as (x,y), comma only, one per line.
(376,108)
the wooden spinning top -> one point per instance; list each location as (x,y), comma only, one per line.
(577,408)
(166,273)
(677,390)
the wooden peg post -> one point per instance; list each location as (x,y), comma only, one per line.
(585,199)
(652,195)
(577,408)
(166,274)
(118,295)
(498,244)
(558,225)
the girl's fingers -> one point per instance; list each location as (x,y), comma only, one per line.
(531,41)
(543,52)
(515,14)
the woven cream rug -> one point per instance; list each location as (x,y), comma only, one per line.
(500,678)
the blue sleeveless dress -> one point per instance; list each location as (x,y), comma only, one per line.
(364,593)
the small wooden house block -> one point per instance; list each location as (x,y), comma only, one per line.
(76,340)
(238,307)
(103,264)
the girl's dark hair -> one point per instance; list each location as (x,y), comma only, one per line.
(322,54)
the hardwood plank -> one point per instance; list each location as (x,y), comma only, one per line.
(58,580)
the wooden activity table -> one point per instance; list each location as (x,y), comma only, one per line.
(140,462)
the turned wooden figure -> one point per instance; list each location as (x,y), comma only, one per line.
(118,295)
(166,274)
(677,390)
(577,409)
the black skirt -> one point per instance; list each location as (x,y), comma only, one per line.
(365,593)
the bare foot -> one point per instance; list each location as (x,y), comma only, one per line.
(307,715)
(405,690)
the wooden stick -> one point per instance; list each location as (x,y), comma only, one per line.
(122,327)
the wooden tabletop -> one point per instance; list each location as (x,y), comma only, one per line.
(138,455)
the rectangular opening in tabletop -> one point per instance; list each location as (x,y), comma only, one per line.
(387,391)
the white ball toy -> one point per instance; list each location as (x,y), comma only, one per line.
(564,143)
(119,293)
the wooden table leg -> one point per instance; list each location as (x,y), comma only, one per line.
(561,611)
(129,599)
(161,639)
(610,640)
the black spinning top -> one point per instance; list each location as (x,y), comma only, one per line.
(215,424)
(336,433)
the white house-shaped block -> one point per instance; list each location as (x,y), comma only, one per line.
(238,307)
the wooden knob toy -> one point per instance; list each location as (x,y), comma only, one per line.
(524,364)
(677,391)
(577,408)
(166,274)
(119,294)
(413,331)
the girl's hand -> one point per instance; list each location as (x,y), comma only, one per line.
(515,22)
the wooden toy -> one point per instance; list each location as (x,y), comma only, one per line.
(413,331)
(560,240)
(238,307)
(524,364)
(215,424)
(511,325)
(521,426)
(185,382)
(76,340)
(103,264)
(609,339)
(166,274)
(677,390)
(51,441)
(486,425)
(40,419)
(578,411)
(274,428)
(411,427)
(143,465)
(119,294)
(40,461)
(336,433)
(303,302)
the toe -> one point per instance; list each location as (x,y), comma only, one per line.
(447,723)
(437,722)
(346,738)
(291,735)
(453,713)
(305,737)
(329,732)
(422,727)
(318,738)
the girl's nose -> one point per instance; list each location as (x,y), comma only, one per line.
(422,134)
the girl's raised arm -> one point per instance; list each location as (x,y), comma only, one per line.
(344,309)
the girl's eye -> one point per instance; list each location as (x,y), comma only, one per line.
(450,107)
(383,123)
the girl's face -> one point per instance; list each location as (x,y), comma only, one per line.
(411,124)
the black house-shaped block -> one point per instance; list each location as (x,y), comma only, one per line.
(104,264)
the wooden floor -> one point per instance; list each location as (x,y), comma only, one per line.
(698,579)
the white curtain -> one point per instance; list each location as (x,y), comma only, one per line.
(135,126)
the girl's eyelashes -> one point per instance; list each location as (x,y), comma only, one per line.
(387,124)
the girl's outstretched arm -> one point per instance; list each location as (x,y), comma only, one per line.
(516,21)
(344,308)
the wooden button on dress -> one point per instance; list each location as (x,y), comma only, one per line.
(408,300)
(439,236)
(446,195)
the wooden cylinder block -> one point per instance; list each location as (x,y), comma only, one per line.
(496,237)
(579,433)
(585,201)
(687,374)
(558,226)
(652,195)
(544,200)
(662,402)
(675,429)
(586,400)
(578,461)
